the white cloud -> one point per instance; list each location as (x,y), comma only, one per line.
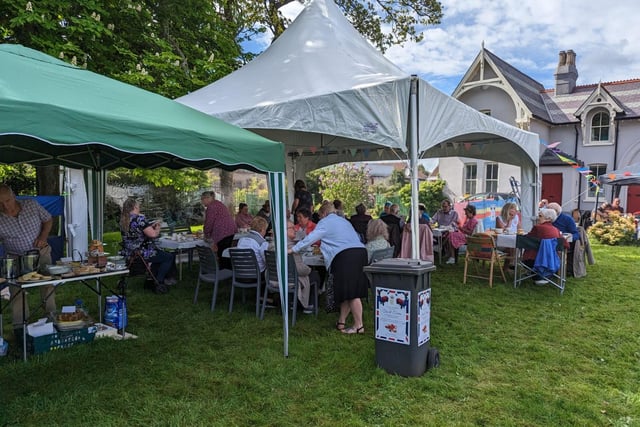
(528,34)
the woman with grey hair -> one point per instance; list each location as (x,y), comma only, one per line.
(544,229)
(377,236)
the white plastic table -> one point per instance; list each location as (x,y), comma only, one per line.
(187,245)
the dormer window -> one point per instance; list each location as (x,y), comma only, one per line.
(597,126)
(600,127)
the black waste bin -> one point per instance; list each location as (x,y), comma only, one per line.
(402,312)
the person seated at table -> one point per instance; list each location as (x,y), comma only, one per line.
(576,215)
(457,238)
(423,216)
(602,213)
(615,206)
(360,221)
(377,236)
(385,209)
(304,226)
(395,224)
(265,212)
(140,234)
(544,229)
(543,203)
(566,224)
(508,219)
(307,276)
(219,226)
(243,217)
(345,258)
(445,216)
(255,240)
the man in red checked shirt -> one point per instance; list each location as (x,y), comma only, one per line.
(219,225)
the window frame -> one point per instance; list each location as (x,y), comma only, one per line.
(589,129)
(493,181)
(596,169)
(467,182)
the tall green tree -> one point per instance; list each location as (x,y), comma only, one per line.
(430,193)
(348,182)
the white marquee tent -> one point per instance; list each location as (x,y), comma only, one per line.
(330,96)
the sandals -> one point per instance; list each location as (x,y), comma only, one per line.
(340,326)
(353,330)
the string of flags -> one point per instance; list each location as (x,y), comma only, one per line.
(585,171)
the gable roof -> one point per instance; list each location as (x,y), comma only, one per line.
(545,105)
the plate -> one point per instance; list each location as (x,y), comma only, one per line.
(68,326)
(35,280)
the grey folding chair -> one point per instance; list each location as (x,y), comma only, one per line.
(525,272)
(210,272)
(382,254)
(245,274)
(273,286)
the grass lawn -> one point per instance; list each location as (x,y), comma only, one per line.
(509,357)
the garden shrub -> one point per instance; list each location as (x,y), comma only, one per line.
(619,230)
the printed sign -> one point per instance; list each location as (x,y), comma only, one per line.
(424,316)
(393,311)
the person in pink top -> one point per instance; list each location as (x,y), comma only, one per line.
(243,217)
(219,225)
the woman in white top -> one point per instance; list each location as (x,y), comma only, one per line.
(508,219)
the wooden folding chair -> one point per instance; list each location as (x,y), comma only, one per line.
(483,254)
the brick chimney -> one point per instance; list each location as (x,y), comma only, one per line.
(566,73)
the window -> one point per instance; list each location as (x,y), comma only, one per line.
(596,170)
(600,127)
(487,112)
(470,178)
(491,178)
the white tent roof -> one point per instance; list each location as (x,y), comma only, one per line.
(319,76)
(328,94)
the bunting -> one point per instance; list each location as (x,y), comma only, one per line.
(591,178)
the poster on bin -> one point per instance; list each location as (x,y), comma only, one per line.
(424,316)
(393,310)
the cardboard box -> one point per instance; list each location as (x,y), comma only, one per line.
(40,328)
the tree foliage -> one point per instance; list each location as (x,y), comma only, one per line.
(20,177)
(383,22)
(348,182)
(430,193)
(185,180)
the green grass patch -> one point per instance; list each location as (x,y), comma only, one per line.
(527,356)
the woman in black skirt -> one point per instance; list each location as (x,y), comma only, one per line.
(345,257)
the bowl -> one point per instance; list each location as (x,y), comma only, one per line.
(498,230)
(56,270)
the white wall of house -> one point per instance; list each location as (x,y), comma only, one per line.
(453,171)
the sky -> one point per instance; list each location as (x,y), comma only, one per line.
(528,34)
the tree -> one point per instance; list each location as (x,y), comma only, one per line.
(430,193)
(383,22)
(348,182)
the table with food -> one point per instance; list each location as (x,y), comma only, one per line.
(69,318)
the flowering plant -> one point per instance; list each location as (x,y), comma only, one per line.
(619,230)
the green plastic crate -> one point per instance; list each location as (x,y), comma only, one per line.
(60,339)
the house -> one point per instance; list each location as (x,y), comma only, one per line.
(597,124)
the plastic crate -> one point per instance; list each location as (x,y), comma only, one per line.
(60,339)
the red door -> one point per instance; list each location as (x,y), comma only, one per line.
(552,187)
(633,199)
